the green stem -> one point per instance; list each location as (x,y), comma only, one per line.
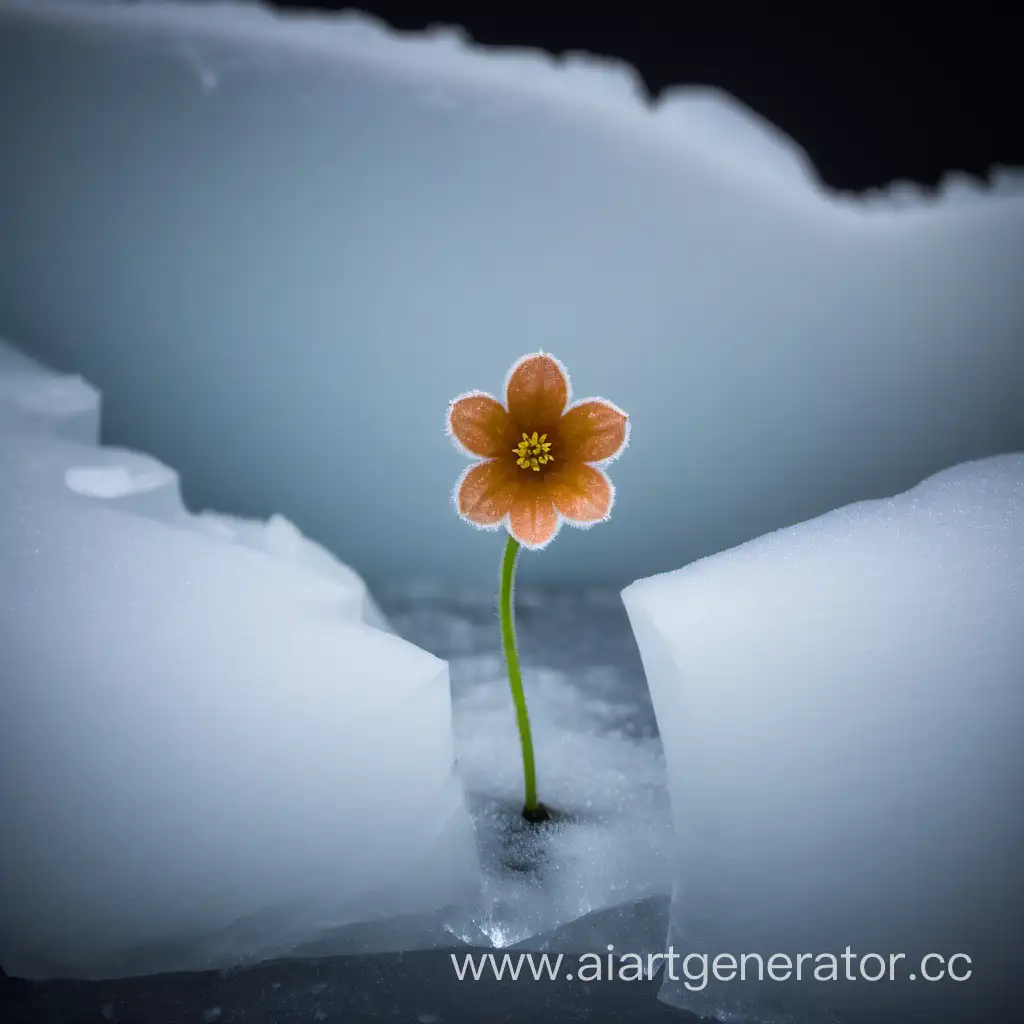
(515,679)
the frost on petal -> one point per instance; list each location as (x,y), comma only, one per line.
(485,493)
(480,424)
(581,493)
(533,520)
(592,431)
(537,392)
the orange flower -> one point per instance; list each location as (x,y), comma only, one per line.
(538,455)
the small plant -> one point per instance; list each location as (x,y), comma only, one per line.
(535,468)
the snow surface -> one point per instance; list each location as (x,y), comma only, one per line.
(841,706)
(280,244)
(602,873)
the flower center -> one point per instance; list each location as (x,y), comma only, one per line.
(533,452)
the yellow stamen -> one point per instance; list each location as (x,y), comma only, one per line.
(533,452)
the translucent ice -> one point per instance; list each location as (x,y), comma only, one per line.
(206,758)
(841,705)
(114,477)
(49,423)
(35,397)
(283,539)
(262,235)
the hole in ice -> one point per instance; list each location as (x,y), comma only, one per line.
(522,847)
(111,481)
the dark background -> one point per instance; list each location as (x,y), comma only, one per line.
(873,96)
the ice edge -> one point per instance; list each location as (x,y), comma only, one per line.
(697,113)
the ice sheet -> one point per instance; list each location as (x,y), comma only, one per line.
(841,705)
(262,235)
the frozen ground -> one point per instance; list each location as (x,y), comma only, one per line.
(416,988)
(603,874)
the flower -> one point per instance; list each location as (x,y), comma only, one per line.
(538,453)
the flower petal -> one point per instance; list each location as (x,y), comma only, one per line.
(537,391)
(480,424)
(581,493)
(592,431)
(533,520)
(485,491)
